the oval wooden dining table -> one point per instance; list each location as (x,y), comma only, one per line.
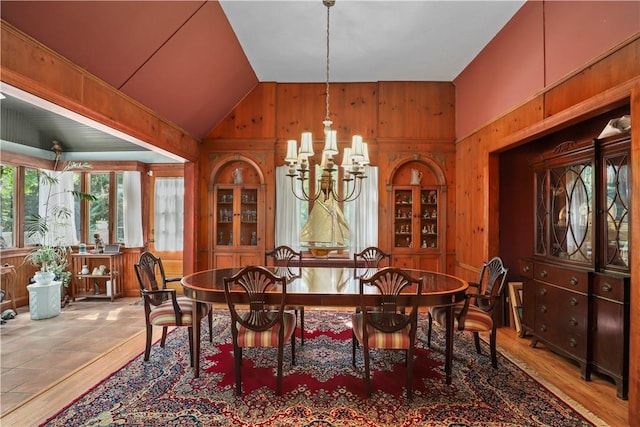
(328,287)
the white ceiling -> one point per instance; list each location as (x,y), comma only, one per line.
(392,40)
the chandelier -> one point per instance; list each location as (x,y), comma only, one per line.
(354,159)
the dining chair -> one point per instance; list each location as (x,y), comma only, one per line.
(285,258)
(254,321)
(370,259)
(476,313)
(385,325)
(162,307)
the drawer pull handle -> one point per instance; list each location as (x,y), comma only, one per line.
(606,287)
(543,308)
(526,268)
(573,302)
(573,281)
(573,322)
(544,273)
(572,343)
(543,328)
(543,291)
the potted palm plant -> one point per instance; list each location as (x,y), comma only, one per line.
(51,253)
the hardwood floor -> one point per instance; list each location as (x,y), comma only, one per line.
(45,380)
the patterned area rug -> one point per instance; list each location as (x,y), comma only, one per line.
(323,389)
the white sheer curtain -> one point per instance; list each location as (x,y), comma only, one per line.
(362,214)
(169,214)
(62,229)
(288,209)
(132,209)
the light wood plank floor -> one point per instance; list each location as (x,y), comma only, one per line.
(47,363)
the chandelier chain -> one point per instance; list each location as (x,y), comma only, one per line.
(327,116)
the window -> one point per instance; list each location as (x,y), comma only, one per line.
(20,189)
(7,196)
(99,184)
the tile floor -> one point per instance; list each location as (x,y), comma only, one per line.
(37,353)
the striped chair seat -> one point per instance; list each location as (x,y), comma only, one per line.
(475,321)
(268,338)
(164,315)
(377,339)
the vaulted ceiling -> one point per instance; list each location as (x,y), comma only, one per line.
(193,61)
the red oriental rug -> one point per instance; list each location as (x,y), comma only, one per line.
(323,389)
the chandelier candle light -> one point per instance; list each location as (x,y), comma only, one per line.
(354,159)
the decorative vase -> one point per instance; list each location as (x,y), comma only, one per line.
(416,177)
(237,176)
(43,277)
(85,269)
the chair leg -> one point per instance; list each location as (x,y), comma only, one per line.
(147,347)
(476,339)
(429,330)
(353,345)
(191,355)
(280,358)
(409,363)
(293,349)
(237,356)
(164,336)
(302,326)
(492,346)
(367,375)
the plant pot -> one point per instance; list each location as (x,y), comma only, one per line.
(43,277)
(44,300)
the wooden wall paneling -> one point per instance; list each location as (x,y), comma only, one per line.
(130,286)
(615,68)
(204,208)
(253,117)
(64,83)
(470,203)
(191,215)
(301,107)
(354,110)
(424,110)
(521,117)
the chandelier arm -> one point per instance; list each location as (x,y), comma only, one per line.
(357,184)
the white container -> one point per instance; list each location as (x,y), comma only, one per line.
(44,300)
(108,288)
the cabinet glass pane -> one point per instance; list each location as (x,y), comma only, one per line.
(249,217)
(541,213)
(571,212)
(617,210)
(225,217)
(428,219)
(403,215)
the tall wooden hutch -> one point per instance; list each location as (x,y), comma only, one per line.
(576,284)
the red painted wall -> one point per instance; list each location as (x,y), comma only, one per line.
(544,42)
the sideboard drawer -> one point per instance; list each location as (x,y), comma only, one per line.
(569,279)
(609,287)
(526,268)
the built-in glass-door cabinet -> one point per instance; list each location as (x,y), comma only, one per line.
(237,216)
(417,218)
